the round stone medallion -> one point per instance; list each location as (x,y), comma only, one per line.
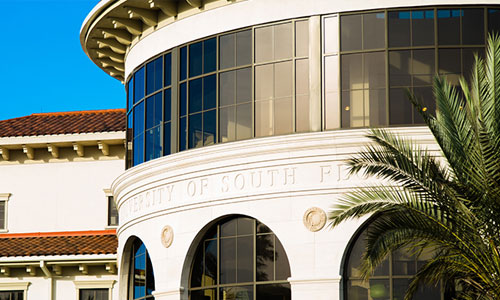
(314,219)
(167,236)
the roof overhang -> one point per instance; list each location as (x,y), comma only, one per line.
(114,26)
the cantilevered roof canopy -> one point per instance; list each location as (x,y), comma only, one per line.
(114,26)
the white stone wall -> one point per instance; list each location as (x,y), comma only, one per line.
(65,196)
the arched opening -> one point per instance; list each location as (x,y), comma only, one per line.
(141,281)
(239,258)
(391,278)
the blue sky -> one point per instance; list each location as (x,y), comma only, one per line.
(43,66)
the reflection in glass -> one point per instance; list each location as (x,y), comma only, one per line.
(209,55)
(238,262)
(350,33)
(374,30)
(422,27)
(302,38)
(183,63)
(243,48)
(195,59)
(448,26)
(264,44)
(399,28)
(154,75)
(141,272)
(168,69)
(283,37)
(139,85)
(473,26)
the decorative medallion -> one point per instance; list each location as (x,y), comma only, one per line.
(167,236)
(314,219)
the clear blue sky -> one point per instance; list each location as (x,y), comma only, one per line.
(43,67)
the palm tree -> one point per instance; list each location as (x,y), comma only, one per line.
(447,202)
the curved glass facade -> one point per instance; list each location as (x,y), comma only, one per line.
(240,258)
(141,277)
(261,81)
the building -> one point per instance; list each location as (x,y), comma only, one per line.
(57,215)
(240,114)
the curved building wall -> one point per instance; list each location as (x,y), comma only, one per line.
(344,68)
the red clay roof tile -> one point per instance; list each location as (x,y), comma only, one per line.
(64,123)
(58,245)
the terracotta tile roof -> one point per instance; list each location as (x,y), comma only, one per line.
(64,123)
(78,243)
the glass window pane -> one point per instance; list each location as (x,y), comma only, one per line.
(358,289)
(264,44)
(154,110)
(399,287)
(283,41)
(282,266)
(209,125)
(228,228)
(423,68)
(354,111)
(380,289)
(138,148)
(243,121)
(399,68)
(245,226)
(283,79)
(302,38)
(150,282)
(183,134)
(183,99)
(183,63)
(228,260)
(374,30)
(302,95)
(167,139)
(330,38)
(283,118)
(244,85)
(207,294)
(139,85)
(352,76)
(403,263)
(209,92)
(195,59)
(449,61)
(245,259)
(139,119)
(227,124)
(400,108)
(448,26)
(473,26)
(227,84)
(264,82)
(167,105)
(209,55)
(263,118)
(494,20)
(399,28)
(2,214)
(195,131)
(210,263)
(422,27)
(350,32)
(130,94)
(168,69)
(153,143)
(227,51)
(154,75)
(265,257)
(195,95)
(236,293)
(244,48)
(377,107)
(280,291)
(374,70)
